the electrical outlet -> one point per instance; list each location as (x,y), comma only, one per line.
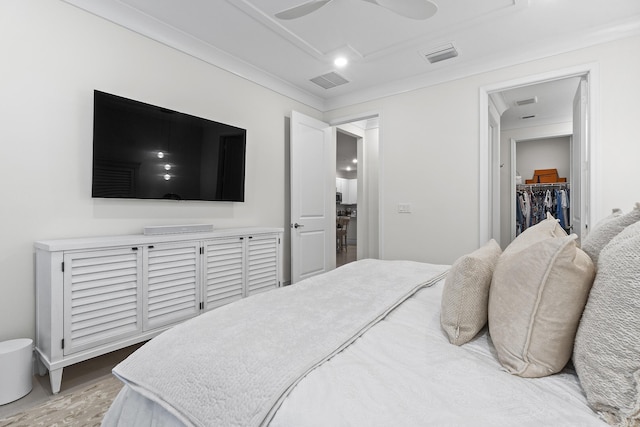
(404,207)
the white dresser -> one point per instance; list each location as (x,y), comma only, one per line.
(97,295)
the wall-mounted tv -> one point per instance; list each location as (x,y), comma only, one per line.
(141,151)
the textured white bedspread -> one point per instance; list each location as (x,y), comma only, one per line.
(234,365)
(404,372)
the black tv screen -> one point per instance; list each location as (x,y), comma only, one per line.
(141,151)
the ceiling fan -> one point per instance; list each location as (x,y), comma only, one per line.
(414,9)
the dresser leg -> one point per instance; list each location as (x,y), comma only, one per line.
(55,378)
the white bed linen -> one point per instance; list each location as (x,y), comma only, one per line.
(404,372)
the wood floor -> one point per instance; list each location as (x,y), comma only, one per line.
(74,377)
(346,256)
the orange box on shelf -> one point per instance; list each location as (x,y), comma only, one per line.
(545,176)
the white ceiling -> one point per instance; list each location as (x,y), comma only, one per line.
(553,104)
(386,51)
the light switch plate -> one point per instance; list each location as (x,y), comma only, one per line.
(404,207)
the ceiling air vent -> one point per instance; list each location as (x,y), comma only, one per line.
(329,80)
(527,101)
(441,53)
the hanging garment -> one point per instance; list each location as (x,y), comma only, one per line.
(527,210)
(564,201)
(558,210)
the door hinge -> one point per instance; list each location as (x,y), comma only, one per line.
(278,240)
(62,343)
(201,306)
(201,250)
(63,266)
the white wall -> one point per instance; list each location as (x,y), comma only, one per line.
(430,157)
(371,195)
(544,153)
(53,57)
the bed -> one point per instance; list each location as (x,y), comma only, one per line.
(365,345)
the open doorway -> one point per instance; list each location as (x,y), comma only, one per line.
(498,173)
(312,158)
(536,137)
(357,149)
(346,197)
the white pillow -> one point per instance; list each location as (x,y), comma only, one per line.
(536,298)
(466,293)
(607,229)
(607,347)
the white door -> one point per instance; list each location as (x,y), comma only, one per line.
(313,209)
(579,169)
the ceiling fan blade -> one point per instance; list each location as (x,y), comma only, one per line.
(414,9)
(301,10)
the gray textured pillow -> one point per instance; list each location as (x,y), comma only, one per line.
(466,293)
(535,301)
(607,229)
(607,346)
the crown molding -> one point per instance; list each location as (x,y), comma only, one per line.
(145,25)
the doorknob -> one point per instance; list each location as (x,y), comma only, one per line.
(296,225)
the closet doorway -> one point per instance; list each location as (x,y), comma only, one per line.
(533,199)
(498,208)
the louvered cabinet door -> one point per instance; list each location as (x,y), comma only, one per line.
(171,283)
(262,264)
(223,271)
(102,297)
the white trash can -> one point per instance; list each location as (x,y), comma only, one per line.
(16,374)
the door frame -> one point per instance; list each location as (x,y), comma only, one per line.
(486,161)
(362,178)
(512,178)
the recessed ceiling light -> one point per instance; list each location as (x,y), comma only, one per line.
(348,168)
(355,160)
(340,62)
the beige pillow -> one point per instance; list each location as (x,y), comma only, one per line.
(535,301)
(607,229)
(607,347)
(466,293)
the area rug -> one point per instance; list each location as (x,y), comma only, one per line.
(83,407)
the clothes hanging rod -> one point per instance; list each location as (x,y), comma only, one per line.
(544,184)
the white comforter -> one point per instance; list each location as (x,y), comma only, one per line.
(403,372)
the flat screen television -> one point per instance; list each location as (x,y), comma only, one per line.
(141,151)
